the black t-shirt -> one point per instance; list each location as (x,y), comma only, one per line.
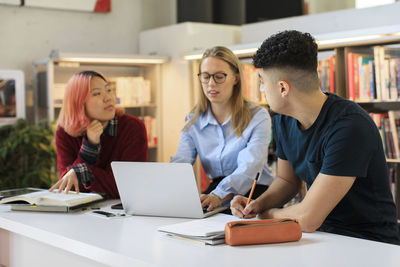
(344,141)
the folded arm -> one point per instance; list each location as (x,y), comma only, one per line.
(322,197)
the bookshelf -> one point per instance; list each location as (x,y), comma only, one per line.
(137,80)
(372,81)
(336,57)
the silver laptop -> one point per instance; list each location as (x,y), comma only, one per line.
(159,189)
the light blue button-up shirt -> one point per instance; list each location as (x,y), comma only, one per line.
(223,153)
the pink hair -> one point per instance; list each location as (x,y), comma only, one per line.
(72,115)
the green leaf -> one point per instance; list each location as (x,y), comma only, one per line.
(27,156)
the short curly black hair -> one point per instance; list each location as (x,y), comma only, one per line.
(288,49)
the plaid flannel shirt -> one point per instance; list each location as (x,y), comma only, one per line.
(89,153)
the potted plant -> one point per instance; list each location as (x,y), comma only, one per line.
(27,156)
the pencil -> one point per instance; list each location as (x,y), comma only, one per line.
(252,188)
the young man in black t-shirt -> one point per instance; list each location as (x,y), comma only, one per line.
(329,142)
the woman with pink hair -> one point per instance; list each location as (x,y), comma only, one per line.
(91,133)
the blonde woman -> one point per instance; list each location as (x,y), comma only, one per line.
(229,134)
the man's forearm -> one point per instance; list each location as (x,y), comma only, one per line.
(278,194)
(310,214)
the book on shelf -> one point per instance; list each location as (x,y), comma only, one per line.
(394,123)
(326,73)
(150,123)
(351,76)
(372,79)
(44,200)
(388,137)
(365,91)
(392,181)
(377,59)
(251,84)
(332,74)
(387,72)
(388,125)
(131,91)
(373,73)
(393,69)
(58,93)
(359,74)
(210,230)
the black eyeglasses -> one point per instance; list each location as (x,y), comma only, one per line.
(218,77)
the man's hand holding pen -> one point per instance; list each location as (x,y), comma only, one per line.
(240,208)
(243,207)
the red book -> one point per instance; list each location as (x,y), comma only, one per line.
(350,75)
(205,181)
(357,76)
(332,74)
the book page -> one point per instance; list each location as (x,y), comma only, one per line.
(62,199)
(54,199)
(29,198)
(214,225)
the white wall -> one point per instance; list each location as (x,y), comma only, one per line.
(158,13)
(325,23)
(30,33)
(370,3)
(318,6)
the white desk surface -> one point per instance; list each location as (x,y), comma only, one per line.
(135,241)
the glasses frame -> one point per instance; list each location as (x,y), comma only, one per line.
(213,76)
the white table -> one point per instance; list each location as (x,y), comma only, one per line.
(50,239)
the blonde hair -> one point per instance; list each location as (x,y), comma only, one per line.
(240,107)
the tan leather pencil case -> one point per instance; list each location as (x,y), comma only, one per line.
(262,231)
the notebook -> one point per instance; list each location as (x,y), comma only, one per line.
(43,200)
(17,191)
(159,189)
(208,231)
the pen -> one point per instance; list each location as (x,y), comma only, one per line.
(107,214)
(252,188)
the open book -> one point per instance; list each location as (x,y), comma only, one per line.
(51,201)
(209,231)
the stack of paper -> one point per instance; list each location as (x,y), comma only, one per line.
(206,231)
